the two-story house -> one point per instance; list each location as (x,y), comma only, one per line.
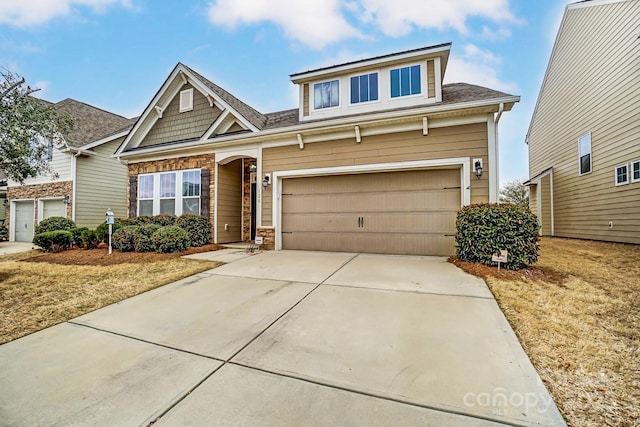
(86,178)
(584,136)
(378,156)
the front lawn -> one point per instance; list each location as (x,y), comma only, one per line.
(41,290)
(577,315)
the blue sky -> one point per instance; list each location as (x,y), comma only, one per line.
(115,54)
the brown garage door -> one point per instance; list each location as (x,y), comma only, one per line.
(409,212)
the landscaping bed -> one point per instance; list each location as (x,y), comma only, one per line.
(38,290)
(577,315)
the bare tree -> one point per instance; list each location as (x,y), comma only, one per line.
(515,192)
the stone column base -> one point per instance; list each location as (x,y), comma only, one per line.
(268,235)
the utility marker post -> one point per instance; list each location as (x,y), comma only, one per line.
(110,221)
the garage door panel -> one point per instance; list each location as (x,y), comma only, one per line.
(53,208)
(384,243)
(409,212)
(24,216)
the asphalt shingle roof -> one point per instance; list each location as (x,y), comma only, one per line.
(91,123)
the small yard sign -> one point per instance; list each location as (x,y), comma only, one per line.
(500,258)
(258,240)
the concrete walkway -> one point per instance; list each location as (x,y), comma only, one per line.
(16,247)
(284,338)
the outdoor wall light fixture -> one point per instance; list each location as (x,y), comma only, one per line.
(477,167)
(65,199)
(5,202)
(253,167)
(266,181)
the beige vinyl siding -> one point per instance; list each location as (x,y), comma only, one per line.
(545,199)
(592,85)
(431,79)
(533,198)
(447,142)
(305,99)
(60,164)
(2,209)
(176,126)
(230,202)
(235,128)
(101,183)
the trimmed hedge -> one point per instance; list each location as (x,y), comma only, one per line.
(170,239)
(4,233)
(90,239)
(197,227)
(142,238)
(102,231)
(123,240)
(54,223)
(54,241)
(485,229)
(77,235)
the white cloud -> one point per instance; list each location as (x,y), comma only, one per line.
(301,20)
(42,89)
(317,26)
(477,66)
(29,13)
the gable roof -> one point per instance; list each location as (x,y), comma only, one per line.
(90,123)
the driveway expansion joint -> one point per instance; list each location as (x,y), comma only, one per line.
(405,291)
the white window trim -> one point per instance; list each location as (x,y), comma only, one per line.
(312,95)
(631,170)
(615,174)
(363,103)
(422,93)
(156,191)
(590,155)
(189,106)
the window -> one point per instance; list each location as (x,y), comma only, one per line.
(584,153)
(326,94)
(49,150)
(364,88)
(186,100)
(622,174)
(635,171)
(169,193)
(405,81)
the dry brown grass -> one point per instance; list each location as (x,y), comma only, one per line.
(583,333)
(35,295)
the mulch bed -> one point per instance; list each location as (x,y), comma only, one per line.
(530,274)
(101,256)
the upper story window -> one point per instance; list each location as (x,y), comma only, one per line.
(326,94)
(635,171)
(186,100)
(405,81)
(622,174)
(170,193)
(364,88)
(584,153)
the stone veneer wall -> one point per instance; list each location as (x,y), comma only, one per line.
(39,191)
(246,199)
(268,237)
(204,161)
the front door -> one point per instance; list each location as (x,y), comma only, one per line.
(24,214)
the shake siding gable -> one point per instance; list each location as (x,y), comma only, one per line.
(592,85)
(176,126)
(101,183)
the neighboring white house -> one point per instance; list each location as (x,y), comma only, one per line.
(86,178)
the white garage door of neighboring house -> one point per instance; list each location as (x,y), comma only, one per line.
(53,208)
(409,212)
(24,216)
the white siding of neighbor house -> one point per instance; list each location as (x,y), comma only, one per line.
(592,85)
(60,163)
(101,183)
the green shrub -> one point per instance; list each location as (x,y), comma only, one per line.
(143,235)
(54,223)
(4,233)
(54,241)
(170,239)
(77,235)
(485,229)
(197,227)
(102,231)
(90,239)
(163,220)
(123,240)
(136,220)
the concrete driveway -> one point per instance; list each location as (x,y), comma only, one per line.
(284,338)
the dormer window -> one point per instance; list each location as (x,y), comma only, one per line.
(405,81)
(186,100)
(364,88)
(326,94)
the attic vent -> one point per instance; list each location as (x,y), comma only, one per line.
(186,100)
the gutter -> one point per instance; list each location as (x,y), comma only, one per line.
(292,131)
